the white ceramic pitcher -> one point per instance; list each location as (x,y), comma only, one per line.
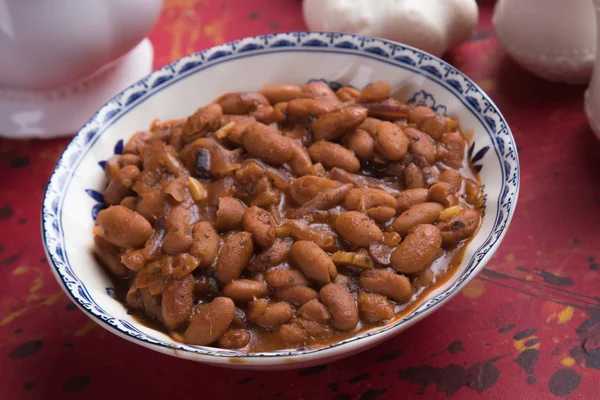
(62,59)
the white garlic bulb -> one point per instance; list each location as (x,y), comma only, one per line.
(430,25)
(553,39)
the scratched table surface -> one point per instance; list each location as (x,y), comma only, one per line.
(527,327)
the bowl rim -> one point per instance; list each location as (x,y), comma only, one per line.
(463,88)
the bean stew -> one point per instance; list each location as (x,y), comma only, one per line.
(289,217)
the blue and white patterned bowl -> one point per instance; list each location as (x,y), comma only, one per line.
(73,196)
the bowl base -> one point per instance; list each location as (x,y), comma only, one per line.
(26,114)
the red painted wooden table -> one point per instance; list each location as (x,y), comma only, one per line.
(527,327)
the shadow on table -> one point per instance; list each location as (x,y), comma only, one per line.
(524,89)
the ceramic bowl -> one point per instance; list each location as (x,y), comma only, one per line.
(73,196)
(47,45)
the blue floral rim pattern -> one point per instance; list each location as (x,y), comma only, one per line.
(396,54)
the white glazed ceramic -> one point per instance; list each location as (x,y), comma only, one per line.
(49,44)
(592,94)
(61,60)
(430,25)
(73,195)
(554,39)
